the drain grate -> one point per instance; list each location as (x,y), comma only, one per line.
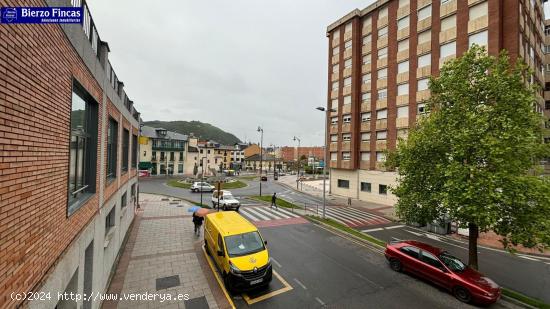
(164,199)
(168,282)
(197,303)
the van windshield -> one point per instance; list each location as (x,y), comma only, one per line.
(244,244)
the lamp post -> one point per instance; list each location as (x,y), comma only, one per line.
(261,130)
(325,157)
(202,176)
(298,155)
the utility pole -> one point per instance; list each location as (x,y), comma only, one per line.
(325,157)
(298,155)
(261,130)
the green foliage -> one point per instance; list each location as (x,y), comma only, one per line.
(233,185)
(525,299)
(200,129)
(473,157)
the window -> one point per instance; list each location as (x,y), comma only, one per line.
(365,156)
(383,73)
(334,103)
(382,93)
(346,118)
(448,50)
(171,156)
(431,260)
(347,28)
(547,30)
(383,12)
(125,149)
(180,168)
(333,156)
(366,78)
(382,189)
(422,84)
(403,89)
(335,68)
(365,117)
(403,3)
(547,105)
(334,138)
(403,23)
(424,37)
(181,156)
(335,85)
(346,137)
(383,32)
(112,146)
(448,23)
(382,114)
(154,155)
(83,147)
(403,67)
(444,1)
(366,59)
(135,150)
(403,45)
(336,34)
(347,99)
(347,63)
(421,108)
(425,12)
(478,11)
(367,39)
(367,21)
(346,156)
(381,135)
(380,156)
(411,251)
(343,183)
(365,137)
(336,50)
(480,38)
(162,157)
(366,186)
(123,201)
(347,44)
(347,81)
(383,53)
(365,97)
(403,112)
(334,120)
(110,220)
(424,60)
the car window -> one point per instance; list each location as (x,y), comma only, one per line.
(411,251)
(220,243)
(430,259)
(455,264)
(244,244)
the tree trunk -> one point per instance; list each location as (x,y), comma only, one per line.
(473,230)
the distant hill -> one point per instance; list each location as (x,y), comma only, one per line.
(200,129)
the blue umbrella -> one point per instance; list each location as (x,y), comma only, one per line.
(193,208)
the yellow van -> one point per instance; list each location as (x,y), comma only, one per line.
(238,250)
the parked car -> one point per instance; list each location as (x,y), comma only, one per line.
(227,201)
(264,178)
(202,187)
(443,269)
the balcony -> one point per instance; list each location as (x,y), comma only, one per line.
(345,164)
(381,124)
(478,24)
(333,164)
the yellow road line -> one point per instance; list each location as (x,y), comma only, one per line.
(287,287)
(220,282)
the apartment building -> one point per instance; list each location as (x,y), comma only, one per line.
(380,59)
(293,153)
(68,143)
(547,87)
(162,152)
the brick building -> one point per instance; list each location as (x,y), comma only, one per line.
(293,153)
(380,59)
(68,176)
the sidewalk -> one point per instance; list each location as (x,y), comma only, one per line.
(315,188)
(163,256)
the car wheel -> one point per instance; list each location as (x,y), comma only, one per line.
(224,208)
(462,294)
(213,205)
(227,282)
(237,209)
(395,264)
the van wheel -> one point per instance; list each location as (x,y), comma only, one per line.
(462,294)
(395,264)
(227,282)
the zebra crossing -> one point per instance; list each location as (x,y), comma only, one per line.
(266,216)
(354,217)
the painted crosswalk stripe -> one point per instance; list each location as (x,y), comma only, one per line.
(269,213)
(360,216)
(372,230)
(255,212)
(394,227)
(344,216)
(366,214)
(245,212)
(288,213)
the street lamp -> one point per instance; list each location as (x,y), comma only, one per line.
(325,157)
(202,176)
(261,130)
(298,155)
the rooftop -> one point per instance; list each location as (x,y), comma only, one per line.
(152,132)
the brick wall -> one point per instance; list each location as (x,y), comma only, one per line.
(37,67)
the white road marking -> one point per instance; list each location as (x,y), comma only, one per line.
(393,227)
(300,284)
(319,301)
(395,239)
(257,213)
(268,213)
(372,230)
(547,263)
(288,213)
(528,258)
(246,213)
(414,233)
(276,263)
(366,214)
(344,216)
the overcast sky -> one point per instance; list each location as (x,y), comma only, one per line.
(235,64)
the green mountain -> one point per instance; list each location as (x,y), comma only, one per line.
(200,129)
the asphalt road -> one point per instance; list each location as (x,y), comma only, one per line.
(326,270)
(530,275)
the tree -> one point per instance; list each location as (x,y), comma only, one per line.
(473,157)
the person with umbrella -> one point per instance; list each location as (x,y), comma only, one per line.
(198,218)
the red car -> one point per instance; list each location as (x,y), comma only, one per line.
(441,268)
